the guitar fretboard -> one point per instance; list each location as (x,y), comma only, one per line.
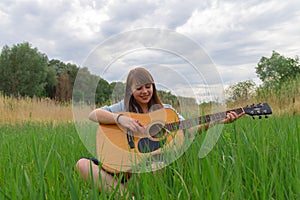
(188,123)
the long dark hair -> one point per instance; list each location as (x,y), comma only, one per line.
(140,76)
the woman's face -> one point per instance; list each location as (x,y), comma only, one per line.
(143,93)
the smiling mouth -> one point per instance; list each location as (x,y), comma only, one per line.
(145,97)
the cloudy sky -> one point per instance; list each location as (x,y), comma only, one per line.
(234,34)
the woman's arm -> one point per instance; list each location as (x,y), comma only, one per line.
(103,116)
(106,114)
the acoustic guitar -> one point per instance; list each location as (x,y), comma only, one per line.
(120,150)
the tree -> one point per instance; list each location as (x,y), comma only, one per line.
(168,98)
(85,86)
(117,91)
(103,92)
(65,77)
(51,81)
(63,87)
(277,69)
(23,71)
(242,90)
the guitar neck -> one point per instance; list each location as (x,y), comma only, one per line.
(189,123)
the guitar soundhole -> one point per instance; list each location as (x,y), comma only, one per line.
(157,131)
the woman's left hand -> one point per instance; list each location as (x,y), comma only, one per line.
(231,117)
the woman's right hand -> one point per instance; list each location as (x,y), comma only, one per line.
(130,123)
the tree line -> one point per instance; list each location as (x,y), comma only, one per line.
(25,71)
(276,72)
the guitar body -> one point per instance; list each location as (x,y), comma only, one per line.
(122,151)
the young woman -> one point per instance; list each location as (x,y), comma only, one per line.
(140,97)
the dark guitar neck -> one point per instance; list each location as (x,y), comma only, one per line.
(188,123)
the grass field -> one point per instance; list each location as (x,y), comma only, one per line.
(253,159)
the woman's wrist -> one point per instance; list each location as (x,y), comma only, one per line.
(117,118)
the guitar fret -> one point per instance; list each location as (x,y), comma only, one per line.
(167,126)
(171,127)
(212,118)
(198,120)
(175,126)
(207,118)
(238,110)
(221,115)
(181,124)
(217,116)
(189,123)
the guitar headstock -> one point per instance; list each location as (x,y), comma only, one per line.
(258,110)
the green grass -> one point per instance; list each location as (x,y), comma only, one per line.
(253,159)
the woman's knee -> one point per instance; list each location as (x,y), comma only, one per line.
(81,164)
(84,167)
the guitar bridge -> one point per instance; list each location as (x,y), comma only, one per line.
(130,139)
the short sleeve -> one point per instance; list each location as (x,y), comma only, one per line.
(117,107)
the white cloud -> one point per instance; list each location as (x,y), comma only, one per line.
(84,22)
(235,34)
